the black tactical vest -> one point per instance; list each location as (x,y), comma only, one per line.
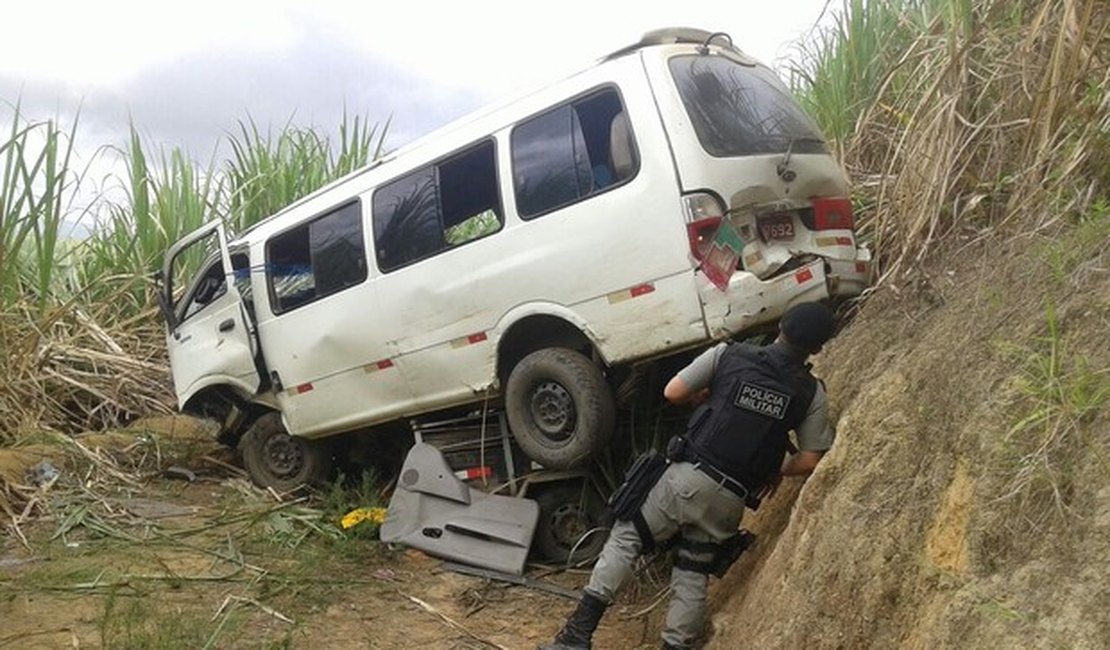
(757,395)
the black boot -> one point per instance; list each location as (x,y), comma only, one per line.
(579,628)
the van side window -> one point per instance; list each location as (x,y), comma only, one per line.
(434,208)
(316,259)
(571,153)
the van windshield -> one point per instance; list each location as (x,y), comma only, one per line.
(738,110)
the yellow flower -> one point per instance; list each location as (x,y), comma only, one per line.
(355,517)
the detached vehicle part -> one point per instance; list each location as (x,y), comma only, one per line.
(435,512)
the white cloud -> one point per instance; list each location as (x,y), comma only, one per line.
(185,72)
(485,44)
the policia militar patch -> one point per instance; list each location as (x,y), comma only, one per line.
(763,401)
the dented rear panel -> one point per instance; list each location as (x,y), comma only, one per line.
(767,207)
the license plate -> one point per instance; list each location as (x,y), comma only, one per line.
(779,226)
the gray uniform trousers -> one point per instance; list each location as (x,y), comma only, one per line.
(685,501)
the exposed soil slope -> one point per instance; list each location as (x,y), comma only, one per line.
(948,514)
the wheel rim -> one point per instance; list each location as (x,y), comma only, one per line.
(568,524)
(553,410)
(283,455)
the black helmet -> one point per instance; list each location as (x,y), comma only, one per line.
(808,325)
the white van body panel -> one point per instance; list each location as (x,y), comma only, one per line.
(616,266)
(436,320)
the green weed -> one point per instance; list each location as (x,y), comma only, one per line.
(996,609)
(129,622)
(1057,394)
(1084,245)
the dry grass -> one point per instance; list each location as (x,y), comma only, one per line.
(971,118)
(77,367)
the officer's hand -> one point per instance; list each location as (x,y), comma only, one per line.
(771,487)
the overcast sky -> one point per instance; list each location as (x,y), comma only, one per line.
(185,72)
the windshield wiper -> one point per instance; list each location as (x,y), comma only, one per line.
(783,168)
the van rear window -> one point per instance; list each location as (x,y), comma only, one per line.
(737,110)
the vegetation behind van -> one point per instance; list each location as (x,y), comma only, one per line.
(671,195)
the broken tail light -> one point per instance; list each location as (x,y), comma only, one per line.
(832,214)
(703,214)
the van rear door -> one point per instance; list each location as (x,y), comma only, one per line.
(759,184)
(209,333)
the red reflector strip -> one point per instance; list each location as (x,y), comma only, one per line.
(861,267)
(633,292)
(844,241)
(474,472)
(803,276)
(303,388)
(469,339)
(378,365)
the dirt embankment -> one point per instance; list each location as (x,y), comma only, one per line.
(966,502)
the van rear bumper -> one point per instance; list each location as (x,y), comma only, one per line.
(848,278)
(751,302)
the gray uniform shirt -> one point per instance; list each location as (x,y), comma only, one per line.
(814,433)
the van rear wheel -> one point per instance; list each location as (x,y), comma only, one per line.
(559,407)
(275,459)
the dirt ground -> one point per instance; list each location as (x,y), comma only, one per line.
(114,555)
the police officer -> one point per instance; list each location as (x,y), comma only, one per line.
(734,452)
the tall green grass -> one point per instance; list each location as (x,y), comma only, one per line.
(164,202)
(269,171)
(34,179)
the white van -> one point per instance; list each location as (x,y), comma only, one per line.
(670,195)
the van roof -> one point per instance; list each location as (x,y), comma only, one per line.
(655,37)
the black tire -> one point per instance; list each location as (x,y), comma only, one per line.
(275,459)
(560,409)
(574,518)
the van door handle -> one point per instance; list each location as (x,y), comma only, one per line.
(227,325)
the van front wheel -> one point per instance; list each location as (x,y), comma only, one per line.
(559,407)
(275,459)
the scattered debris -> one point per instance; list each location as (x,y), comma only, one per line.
(355,517)
(152,509)
(451,622)
(522,581)
(41,474)
(433,511)
(180,473)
